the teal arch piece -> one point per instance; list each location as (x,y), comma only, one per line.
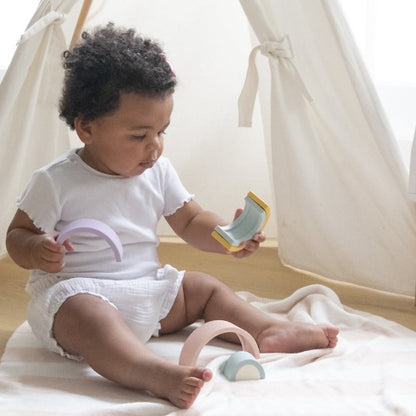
(252,220)
(242,366)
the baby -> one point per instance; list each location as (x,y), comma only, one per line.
(118,96)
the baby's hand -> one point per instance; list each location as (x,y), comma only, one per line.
(48,255)
(250,246)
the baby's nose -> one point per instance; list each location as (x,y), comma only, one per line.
(156,142)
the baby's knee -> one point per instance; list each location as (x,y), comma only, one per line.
(200,283)
(79,317)
(198,288)
(81,311)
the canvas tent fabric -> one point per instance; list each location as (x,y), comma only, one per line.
(340,192)
(31,133)
(339,183)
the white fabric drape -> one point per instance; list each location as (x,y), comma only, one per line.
(341,192)
(30,136)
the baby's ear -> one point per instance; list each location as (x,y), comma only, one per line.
(83,129)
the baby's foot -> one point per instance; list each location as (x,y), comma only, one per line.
(331,333)
(181,385)
(296,337)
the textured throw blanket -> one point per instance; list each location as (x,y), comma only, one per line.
(372,371)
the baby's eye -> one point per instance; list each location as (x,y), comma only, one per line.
(139,138)
(162,133)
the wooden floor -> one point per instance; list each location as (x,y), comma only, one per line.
(262,274)
(13,299)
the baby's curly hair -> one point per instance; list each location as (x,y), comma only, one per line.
(105,63)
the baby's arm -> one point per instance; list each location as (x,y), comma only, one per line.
(195,225)
(31,248)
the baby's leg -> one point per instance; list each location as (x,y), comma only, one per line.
(204,297)
(89,326)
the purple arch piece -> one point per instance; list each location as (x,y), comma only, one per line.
(95,227)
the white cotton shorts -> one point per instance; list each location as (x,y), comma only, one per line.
(142,302)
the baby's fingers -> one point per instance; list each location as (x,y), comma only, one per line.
(250,246)
(259,237)
(68,246)
(51,247)
(51,255)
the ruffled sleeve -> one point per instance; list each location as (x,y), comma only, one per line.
(40,203)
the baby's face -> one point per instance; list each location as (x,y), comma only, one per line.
(129,140)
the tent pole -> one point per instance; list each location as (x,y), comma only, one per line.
(80,23)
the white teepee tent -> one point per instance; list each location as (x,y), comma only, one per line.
(339,190)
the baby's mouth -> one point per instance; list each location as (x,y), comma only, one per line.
(148,164)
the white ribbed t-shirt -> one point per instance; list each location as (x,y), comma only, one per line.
(68,189)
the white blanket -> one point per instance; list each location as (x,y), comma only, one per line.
(372,371)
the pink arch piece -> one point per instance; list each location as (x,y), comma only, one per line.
(206,332)
(96,227)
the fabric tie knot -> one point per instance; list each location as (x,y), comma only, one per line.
(273,49)
(41,24)
(277,49)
